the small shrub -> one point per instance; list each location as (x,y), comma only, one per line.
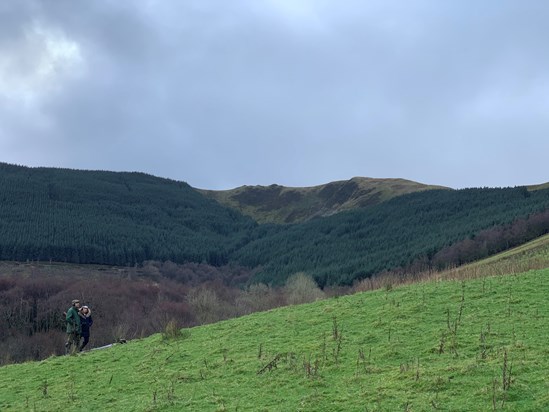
(301,288)
(172,331)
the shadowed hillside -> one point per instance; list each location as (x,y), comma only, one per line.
(279,204)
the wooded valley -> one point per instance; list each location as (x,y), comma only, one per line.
(144,251)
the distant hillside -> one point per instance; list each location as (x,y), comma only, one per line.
(539,187)
(471,345)
(279,204)
(125,219)
(111,218)
(360,243)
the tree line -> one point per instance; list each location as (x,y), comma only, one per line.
(111,218)
(125,219)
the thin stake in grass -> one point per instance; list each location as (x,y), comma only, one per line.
(361,358)
(506,372)
(171,391)
(494,397)
(483,346)
(509,297)
(441,343)
(45,388)
(72,393)
(337,349)
(311,369)
(335,328)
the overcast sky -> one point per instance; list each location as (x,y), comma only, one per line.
(295,92)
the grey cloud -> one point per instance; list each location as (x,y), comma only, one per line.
(221,94)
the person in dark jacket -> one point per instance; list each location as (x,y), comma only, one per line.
(86,320)
(74,327)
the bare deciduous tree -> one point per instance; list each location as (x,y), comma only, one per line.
(301,288)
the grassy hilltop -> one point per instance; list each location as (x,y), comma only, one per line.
(280,204)
(443,345)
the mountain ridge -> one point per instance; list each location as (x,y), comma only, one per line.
(284,204)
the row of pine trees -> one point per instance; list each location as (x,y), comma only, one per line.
(125,219)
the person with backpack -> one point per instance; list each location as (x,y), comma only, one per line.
(74,327)
(86,321)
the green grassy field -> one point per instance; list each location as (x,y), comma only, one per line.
(449,345)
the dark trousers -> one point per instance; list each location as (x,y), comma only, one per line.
(85,342)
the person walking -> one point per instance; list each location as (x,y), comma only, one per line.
(86,321)
(74,327)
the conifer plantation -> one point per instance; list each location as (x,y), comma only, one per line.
(111,218)
(125,219)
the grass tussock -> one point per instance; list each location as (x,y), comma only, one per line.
(173,332)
